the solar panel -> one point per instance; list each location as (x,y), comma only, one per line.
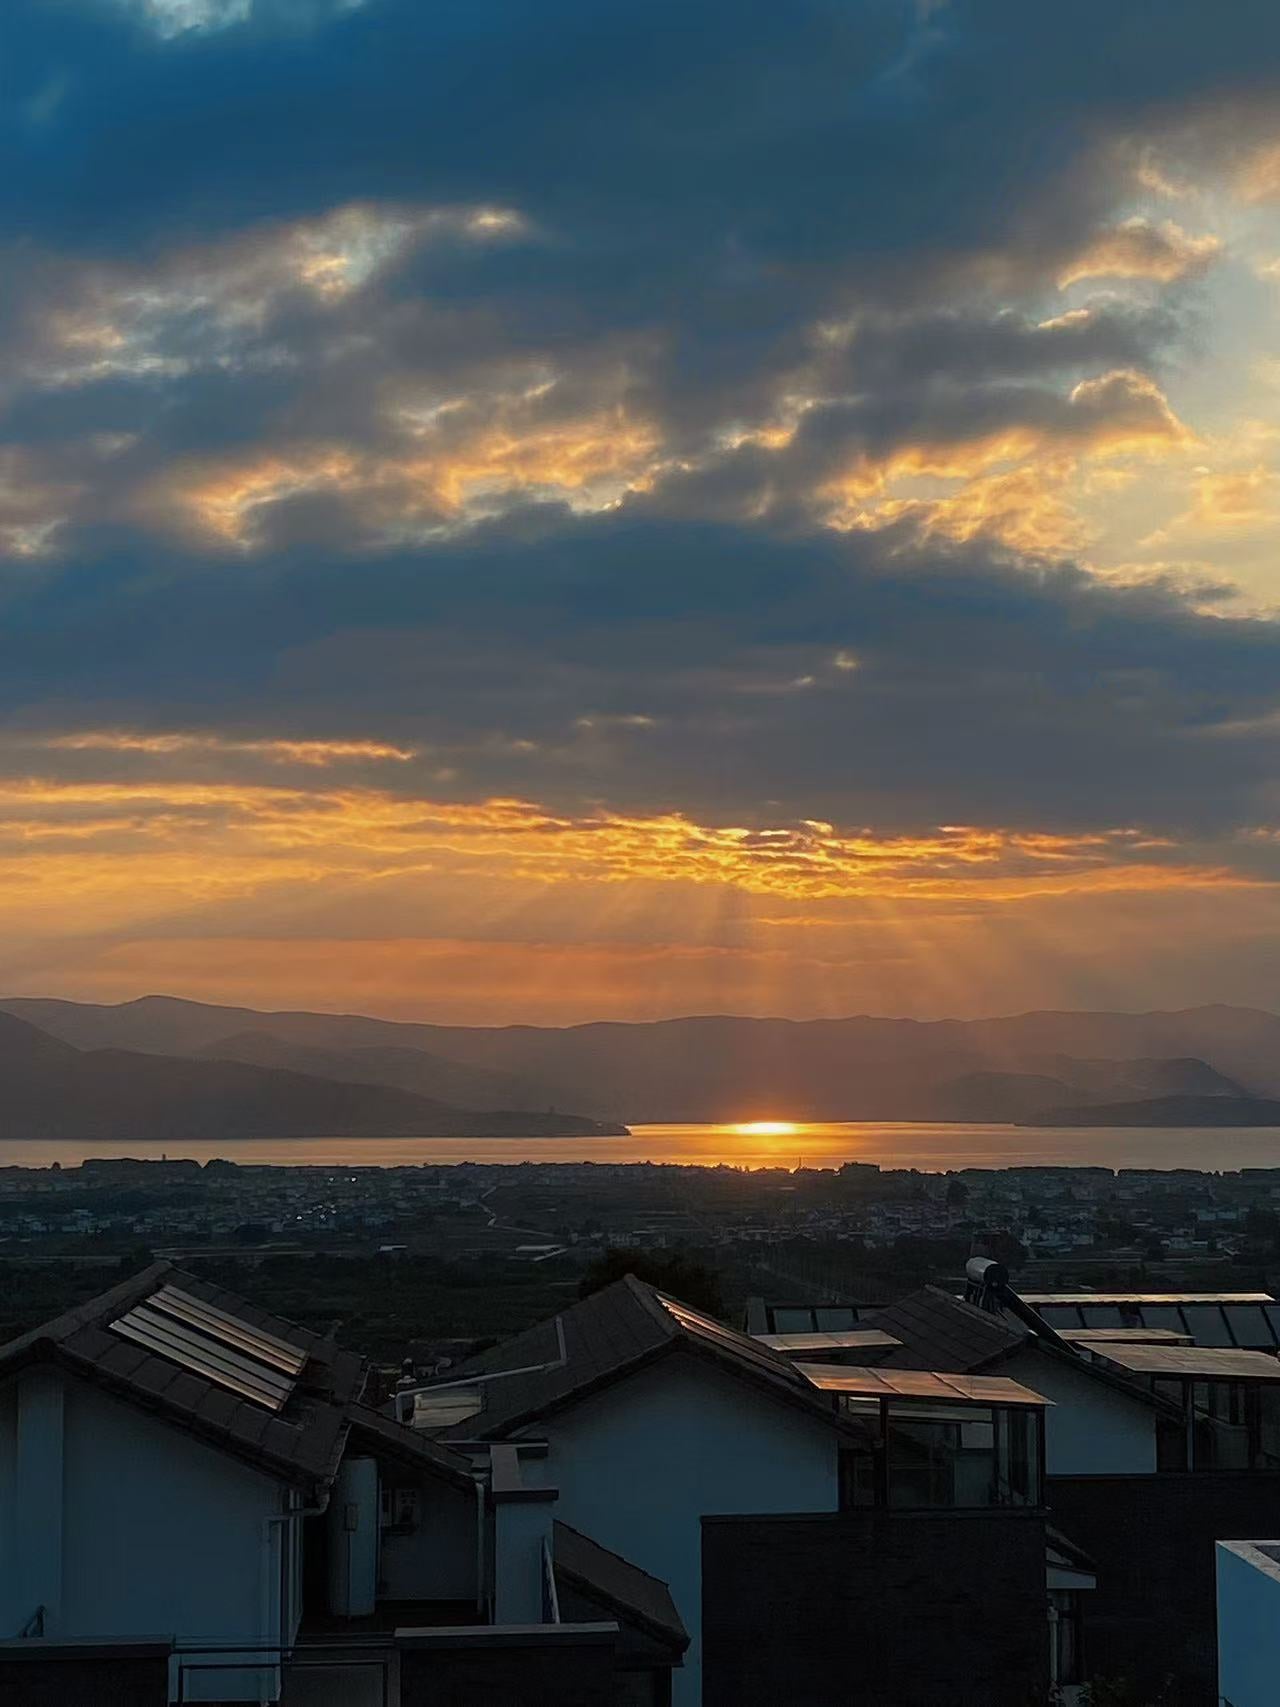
(920,1384)
(856,1339)
(169,1324)
(255,1342)
(1249,1326)
(1193,1362)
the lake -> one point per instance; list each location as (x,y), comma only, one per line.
(930,1146)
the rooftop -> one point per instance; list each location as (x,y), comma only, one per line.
(264,1389)
(921,1384)
(857,1339)
(597,1340)
(937,1330)
(1147,1298)
(615,1583)
(1192,1362)
(1124,1336)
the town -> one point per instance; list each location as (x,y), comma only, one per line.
(490,1247)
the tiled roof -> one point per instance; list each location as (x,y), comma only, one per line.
(302,1442)
(942,1332)
(621,1328)
(618,1585)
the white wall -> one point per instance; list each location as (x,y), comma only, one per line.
(12,1613)
(1248,1624)
(1092,1430)
(162,1535)
(638,1467)
(437,1561)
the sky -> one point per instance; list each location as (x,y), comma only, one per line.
(531,511)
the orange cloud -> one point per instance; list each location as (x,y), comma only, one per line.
(321,753)
(1141,249)
(1024,508)
(204,838)
(590,460)
(1028,506)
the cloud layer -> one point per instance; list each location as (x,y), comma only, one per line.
(698,458)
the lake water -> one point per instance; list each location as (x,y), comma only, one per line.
(933,1147)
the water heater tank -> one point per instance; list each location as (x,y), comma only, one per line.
(352,1520)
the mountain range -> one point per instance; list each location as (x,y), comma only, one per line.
(1062,1066)
(50,1088)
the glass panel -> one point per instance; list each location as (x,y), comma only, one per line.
(1207,1324)
(1060,1315)
(1272,1313)
(1102,1316)
(1022,1468)
(1249,1326)
(1163,1316)
(836,1319)
(1268,1428)
(857,1477)
(939,1457)
(1171,1443)
(793,1322)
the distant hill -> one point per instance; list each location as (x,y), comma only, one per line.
(50,1089)
(721,1067)
(416,1070)
(1168,1111)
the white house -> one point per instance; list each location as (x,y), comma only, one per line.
(657,1420)
(1248,1622)
(199,1490)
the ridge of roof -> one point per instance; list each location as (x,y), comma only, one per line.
(941,1332)
(611,1333)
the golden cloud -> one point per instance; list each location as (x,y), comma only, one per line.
(1028,506)
(1141,249)
(590,460)
(319,753)
(153,841)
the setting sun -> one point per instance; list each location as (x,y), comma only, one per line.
(766,1128)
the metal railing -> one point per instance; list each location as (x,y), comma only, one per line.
(550,1597)
(273,1668)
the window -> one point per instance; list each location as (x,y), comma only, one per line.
(1206,1324)
(1249,1326)
(939,1457)
(836,1319)
(793,1321)
(1060,1316)
(1066,1625)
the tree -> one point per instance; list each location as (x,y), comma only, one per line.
(685,1278)
(1262,1226)
(957,1194)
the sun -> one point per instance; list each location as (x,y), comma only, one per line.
(766,1128)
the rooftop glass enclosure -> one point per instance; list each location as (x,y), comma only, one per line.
(936,1456)
(1225,1425)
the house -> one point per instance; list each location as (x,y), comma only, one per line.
(1206,1470)
(1099,1424)
(1248,1622)
(196,1504)
(1249,1320)
(801,1514)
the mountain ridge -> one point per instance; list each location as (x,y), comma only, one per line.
(50,1089)
(728,1067)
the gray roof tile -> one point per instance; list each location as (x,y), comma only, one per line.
(614,1331)
(617,1585)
